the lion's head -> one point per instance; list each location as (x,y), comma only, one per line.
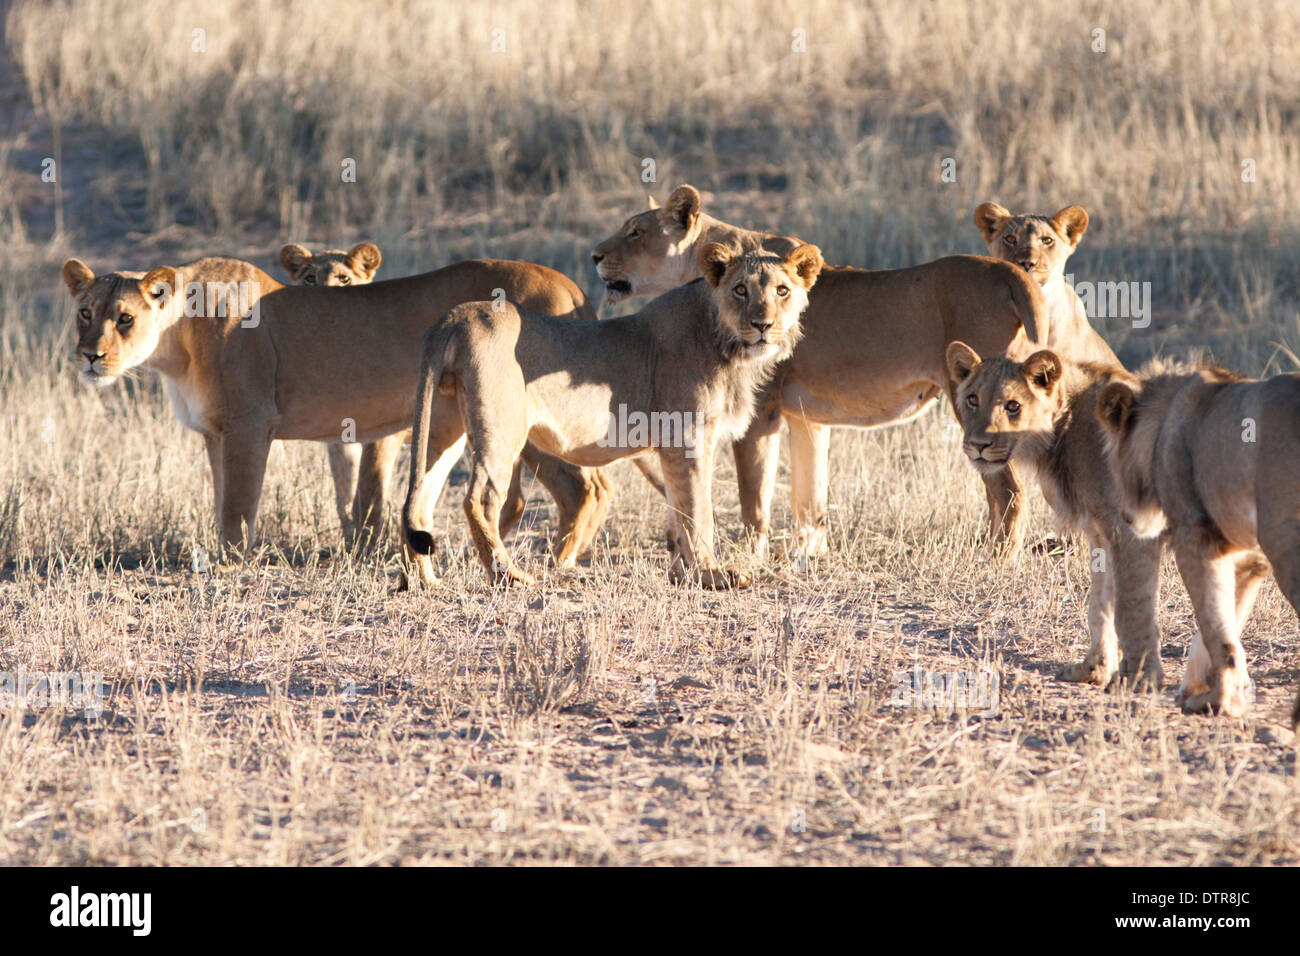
(1130,450)
(760,296)
(120,317)
(651,253)
(1038,244)
(331,267)
(1007,408)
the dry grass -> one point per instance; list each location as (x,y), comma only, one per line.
(298,710)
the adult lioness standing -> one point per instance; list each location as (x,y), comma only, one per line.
(695,355)
(872,352)
(247,360)
(1041,245)
(334,267)
(1040,413)
(1210,458)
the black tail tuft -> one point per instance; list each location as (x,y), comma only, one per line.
(421,542)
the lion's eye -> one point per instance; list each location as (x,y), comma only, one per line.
(1048,240)
(84,314)
(1009,239)
(125,320)
(740,291)
(345,280)
(1013,409)
(634,234)
(782,291)
(973,400)
(310,280)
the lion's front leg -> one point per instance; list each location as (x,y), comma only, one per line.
(809,486)
(689,482)
(757,454)
(1102,659)
(1136,572)
(1006,498)
(243,467)
(345,469)
(374,479)
(1211,584)
(213,445)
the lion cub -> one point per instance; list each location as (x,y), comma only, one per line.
(1040,414)
(1041,245)
(673,380)
(349,460)
(1212,458)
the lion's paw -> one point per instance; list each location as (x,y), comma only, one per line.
(1084,673)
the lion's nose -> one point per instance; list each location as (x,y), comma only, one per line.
(1027,264)
(761,327)
(596,257)
(93,357)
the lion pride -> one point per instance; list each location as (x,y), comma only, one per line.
(872,352)
(247,360)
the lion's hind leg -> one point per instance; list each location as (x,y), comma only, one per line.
(488,485)
(582,497)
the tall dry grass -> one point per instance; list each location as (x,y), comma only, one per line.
(298,711)
(535,148)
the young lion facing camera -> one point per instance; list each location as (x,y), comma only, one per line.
(1038,413)
(504,376)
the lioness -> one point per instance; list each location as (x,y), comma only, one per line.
(1041,246)
(698,353)
(1040,413)
(1212,458)
(334,267)
(872,352)
(247,360)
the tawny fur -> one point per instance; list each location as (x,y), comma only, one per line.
(1041,245)
(703,350)
(362,473)
(872,352)
(307,360)
(1209,459)
(1040,414)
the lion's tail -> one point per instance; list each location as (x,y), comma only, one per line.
(1295,713)
(432,356)
(1031,308)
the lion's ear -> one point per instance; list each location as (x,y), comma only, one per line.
(1115,407)
(651,202)
(1071,222)
(715,259)
(1043,369)
(296,260)
(159,285)
(77,277)
(683,209)
(805,263)
(364,259)
(962,360)
(989,217)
